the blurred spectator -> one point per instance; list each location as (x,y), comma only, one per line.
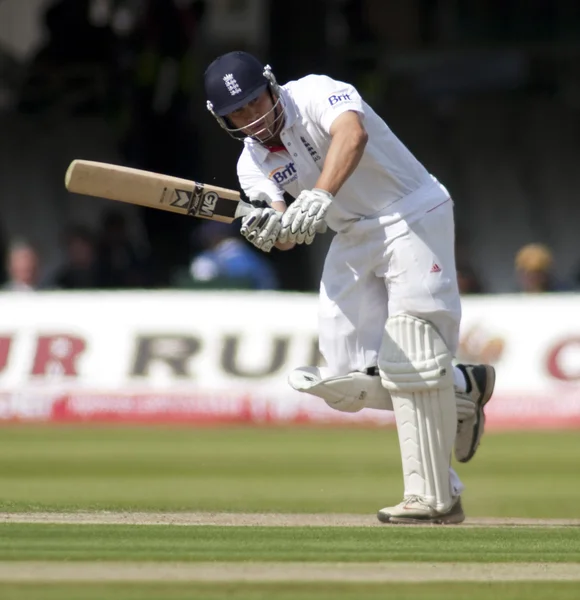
(23,268)
(578,279)
(3,257)
(79,269)
(73,70)
(534,270)
(227,261)
(467,279)
(160,134)
(118,262)
(159,130)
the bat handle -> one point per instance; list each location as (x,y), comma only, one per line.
(245,208)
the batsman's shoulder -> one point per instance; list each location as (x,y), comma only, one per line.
(314,94)
(309,85)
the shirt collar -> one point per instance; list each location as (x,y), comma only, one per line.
(259,151)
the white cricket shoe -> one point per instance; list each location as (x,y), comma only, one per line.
(415,511)
(481,380)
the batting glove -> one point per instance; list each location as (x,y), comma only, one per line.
(261,227)
(304,218)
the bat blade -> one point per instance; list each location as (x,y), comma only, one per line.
(154,190)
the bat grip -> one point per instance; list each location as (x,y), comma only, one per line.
(245,208)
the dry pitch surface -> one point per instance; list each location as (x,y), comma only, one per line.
(252,519)
(271,571)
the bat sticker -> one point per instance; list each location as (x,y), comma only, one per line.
(183,199)
(208,204)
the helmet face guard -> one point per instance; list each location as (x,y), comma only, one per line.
(257,129)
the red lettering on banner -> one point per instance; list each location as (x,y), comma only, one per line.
(5,344)
(567,350)
(57,354)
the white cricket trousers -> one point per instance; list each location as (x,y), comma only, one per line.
(387,266)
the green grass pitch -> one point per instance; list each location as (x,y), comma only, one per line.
(20,542)
(347,470)
(272,470)
(293,591)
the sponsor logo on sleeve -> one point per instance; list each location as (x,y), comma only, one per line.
(337,98)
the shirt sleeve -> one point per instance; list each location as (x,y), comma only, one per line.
(252,179)
(329,98)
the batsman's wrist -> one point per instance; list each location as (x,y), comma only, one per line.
(324,193)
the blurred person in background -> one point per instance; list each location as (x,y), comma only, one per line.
(468,280)
(3,257)
(79,269)
(119,263)
(73,71)
(226,261)
(22,267)
(159,132)
(534,270)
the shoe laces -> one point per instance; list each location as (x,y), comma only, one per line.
(412,499)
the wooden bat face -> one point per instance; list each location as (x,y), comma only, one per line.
(199,202)
(154,190)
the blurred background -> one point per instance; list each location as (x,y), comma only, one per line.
(106,298)
(116,313)
(486,94)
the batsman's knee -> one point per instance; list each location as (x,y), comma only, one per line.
(413,356)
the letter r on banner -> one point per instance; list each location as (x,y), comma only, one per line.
(57,354)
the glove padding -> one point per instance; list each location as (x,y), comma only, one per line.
(304,218)
(261,226)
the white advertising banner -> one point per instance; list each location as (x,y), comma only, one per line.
(154,356)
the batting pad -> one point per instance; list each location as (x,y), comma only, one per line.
(415,366)
(346,393)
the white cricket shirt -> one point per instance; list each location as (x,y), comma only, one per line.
(389,180)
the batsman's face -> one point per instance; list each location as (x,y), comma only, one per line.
(258,118)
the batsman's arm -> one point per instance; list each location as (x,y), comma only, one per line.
(349,138)
(253,181)
(307,216)
(281,207)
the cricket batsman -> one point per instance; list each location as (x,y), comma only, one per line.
(389,307)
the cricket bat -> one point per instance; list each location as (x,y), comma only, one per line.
(164,192)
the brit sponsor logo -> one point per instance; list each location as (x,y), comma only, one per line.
(336,98)
(285,174)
